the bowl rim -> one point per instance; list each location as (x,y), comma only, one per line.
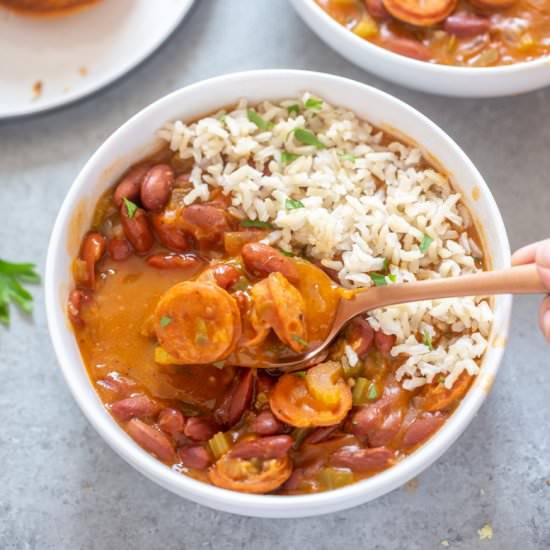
(369,48)
(246,504)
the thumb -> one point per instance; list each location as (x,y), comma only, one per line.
(542,260)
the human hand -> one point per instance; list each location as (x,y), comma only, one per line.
(538,253)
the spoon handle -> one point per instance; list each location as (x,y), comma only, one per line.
(522,279)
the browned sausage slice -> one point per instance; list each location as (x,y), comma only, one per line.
(197,323)
(421,13)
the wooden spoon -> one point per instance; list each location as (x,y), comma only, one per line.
(522,279)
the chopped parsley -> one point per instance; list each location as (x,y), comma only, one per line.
(293,204)
(392,277)
(428,340)
(293,109)
(131,207)
(313,103)
(347,156)
(307,138)
(286,253)
(386,266)
(299,340)
(11,290)
(378,279)
(373,392)
(165,321)
(261,123)
(287,158)
(425,243)
(256,223)
(300,374)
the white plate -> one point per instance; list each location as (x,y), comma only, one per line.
(76,55)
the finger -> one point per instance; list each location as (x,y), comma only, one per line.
(526,254)
(544,318)
(542,258)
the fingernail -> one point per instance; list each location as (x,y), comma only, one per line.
(543,255)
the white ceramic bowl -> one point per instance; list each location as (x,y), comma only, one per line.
(128,144)
(427,77)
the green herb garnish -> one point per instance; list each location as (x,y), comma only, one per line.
(293,204)
(293,109)
(300,374)
(313,103)
(131,208)
(373,392)
(165,321)
(261,123)
(256,223)
(378,279)
(287,158)
(11,277)
(307,138)
(386,266)
(392,277)
(425,243)
(286,253)
(347,156)
(299,340)
(428,340)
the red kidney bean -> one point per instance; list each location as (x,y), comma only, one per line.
(77,299)
(386,433)
(200,429)
(174,261)
(130,185)
(407,47)
(151,439)
(261,260)
(237,400)
(157,187)
(226,275)
(204,221)
(362,460)
(195,457)
(172,237)
(362,336)
(119,249)
(118,384)
(265,448)
(93,249)
(377,9)
(171,421)
(137,406)
(267,424)
(421,428)
(137,229)
(465,24)
(318,435)
(366,420)
(384,342)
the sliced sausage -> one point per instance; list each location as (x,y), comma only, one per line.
(130,185)
(200,429)
(151,439)
(421,13)
(171,421)
(119,249)
(466,24)
(264,448)
(362,460)
(157,187)
(237,399)
(438,398)
(204,322)
(422,428)
(131,407)
(93,248)
(136,229)
(261,260)
(205,222)
(195,457)
(266,424)
(174,261)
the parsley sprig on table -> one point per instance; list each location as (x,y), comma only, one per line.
(11,289)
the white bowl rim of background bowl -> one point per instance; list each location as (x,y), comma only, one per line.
(216,93)
(452,80)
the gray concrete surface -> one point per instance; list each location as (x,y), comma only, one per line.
(63,488)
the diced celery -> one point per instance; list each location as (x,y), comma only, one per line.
(299,434)
(373,392)
(360,391)
(485,58)
(219,445)
(333,478)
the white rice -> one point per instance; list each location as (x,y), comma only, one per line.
(364,204)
